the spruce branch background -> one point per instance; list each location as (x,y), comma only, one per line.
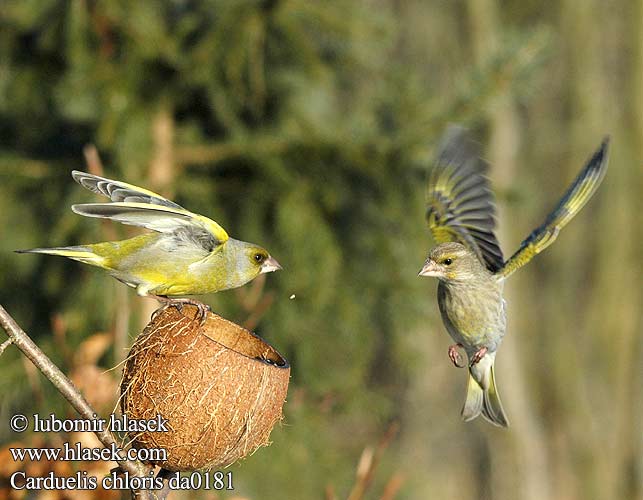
(308,127)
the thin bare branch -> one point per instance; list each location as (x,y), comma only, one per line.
(23,342)
(392,486)
(92,158)
(369,462)
(329,493)
(6,344)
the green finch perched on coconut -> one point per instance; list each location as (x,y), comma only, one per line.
(185,254)
(469,264)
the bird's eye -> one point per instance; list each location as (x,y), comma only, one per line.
(259,257)
(447,262)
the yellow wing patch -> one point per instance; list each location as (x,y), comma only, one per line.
(140,207)
(460,205)
(581,190)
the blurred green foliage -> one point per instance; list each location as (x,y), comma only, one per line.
(307,127)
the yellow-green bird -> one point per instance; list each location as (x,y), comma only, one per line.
(469,264)
(185,254)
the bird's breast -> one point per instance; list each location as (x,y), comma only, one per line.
(474,315)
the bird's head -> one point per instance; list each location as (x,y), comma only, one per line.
(451,262)
(243,261)
(259,260)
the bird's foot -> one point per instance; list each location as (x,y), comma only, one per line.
(160,309)
(478,355)
(202,309)
(455,356)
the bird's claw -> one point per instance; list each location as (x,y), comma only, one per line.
(202,309)
(455,356)
(478,355)
(160,310)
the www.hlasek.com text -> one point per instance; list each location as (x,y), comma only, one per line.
(76,453)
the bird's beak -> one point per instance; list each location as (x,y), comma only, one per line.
(430,269)
(269,265)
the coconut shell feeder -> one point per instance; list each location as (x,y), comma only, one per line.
(220,387)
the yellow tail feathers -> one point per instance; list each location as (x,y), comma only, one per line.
(82,254)
(484,401)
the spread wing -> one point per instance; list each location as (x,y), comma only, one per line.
(139,207)
(120,191)
(581,190)
(460,204)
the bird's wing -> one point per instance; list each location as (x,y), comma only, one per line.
(140,207)
(460,204)
(159,218)
(120,191)
(569,205)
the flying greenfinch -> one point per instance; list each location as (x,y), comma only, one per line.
(469,264)
(185,254)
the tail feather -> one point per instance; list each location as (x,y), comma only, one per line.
(475,400)
(492,408)
(483,400)
(79,253)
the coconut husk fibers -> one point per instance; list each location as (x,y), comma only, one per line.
(220,387)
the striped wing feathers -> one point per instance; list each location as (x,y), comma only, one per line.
(139,207)
(460,204)
(581,190)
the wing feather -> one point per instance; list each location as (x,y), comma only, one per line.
(581,190)
(119,191)
(157,218)
(137,206)
(460,205)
